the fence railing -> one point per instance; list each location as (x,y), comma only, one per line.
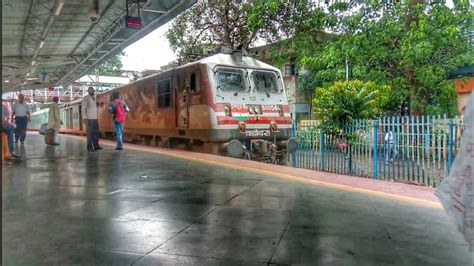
(416,149)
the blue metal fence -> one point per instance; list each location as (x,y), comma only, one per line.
(415,149)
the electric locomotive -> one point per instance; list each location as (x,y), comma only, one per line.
(226,103)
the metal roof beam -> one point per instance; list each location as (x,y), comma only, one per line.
(113,10)
(80,70)
(40,20)
(28,33)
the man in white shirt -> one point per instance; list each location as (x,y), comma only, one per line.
(21,113)
(89,114)
(390,147)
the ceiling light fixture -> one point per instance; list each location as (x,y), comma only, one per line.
(33,63)
(41,44)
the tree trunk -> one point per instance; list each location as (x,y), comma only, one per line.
(410,17)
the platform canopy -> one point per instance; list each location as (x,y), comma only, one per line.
(47,43)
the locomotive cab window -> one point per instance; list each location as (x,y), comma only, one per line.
(230,80)
(164,93)
(265,82)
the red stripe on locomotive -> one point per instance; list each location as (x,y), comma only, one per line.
(270,108)
(225,120)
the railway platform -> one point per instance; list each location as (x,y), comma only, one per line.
(150,206)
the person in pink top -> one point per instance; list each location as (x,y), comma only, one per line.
(119,109)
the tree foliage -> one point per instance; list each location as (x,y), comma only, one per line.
(344,101)
(407,45)
(111,67)
(294,27)
(208,24)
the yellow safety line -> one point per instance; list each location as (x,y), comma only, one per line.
(420,202)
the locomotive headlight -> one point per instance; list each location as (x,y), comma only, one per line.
(227,110)
(280,110)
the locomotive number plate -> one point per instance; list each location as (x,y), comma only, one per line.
(257,133)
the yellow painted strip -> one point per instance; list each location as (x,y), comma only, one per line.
(419,202)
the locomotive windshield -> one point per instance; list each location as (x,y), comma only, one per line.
(231,79)
(265,82)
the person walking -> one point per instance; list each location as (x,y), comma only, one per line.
(54,119)
(390,147)
(21,113)
(89,114)
(8,128)
(119,109)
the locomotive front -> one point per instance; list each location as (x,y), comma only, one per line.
(251,112)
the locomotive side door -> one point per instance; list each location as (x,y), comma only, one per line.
(182,101)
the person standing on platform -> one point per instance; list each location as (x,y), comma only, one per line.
(21,112)
(54,119)
(119,109)
(89,114)
(8,128)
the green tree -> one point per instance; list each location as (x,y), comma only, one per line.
(410,46)
(208,24)
(111,67)
(345,101)
(294,27)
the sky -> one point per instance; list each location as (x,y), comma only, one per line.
(150,52)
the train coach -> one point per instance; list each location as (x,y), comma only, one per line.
(225,103)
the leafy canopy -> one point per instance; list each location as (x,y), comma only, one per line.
(208,24)
(407,45)
(111,67)
(345,101)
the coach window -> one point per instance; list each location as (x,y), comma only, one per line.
(164,93)
(193,82)
(181,80)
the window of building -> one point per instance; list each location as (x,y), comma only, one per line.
(164,93)
(290,69)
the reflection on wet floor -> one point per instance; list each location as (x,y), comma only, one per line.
(64,206)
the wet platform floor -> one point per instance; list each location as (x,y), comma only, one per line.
(66,206)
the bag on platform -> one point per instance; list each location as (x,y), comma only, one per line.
(49,136)
(43,128)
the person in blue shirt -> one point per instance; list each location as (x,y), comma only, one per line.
(8,128)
